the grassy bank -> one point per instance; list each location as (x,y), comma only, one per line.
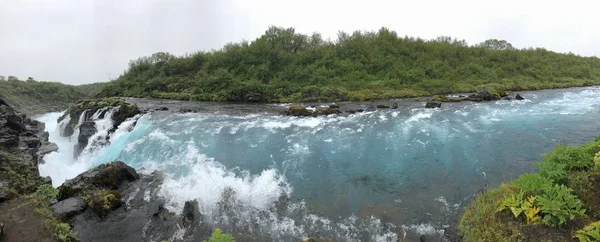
(33,97)
(285,66)
(561,202)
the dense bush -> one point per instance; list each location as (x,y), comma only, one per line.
(282,65)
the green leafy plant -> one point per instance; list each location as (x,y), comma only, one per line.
(589,233)
(558,205)
(219,236)
(532,182)
(512,202)
(47,190)
(553,171)
(518,206)
(574,157)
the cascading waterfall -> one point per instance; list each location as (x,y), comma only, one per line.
(378,175)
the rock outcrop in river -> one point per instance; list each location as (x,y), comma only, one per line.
(80,118)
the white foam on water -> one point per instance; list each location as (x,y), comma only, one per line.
(61,165)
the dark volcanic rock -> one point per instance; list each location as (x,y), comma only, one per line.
(186,110)
(485,94)
(21,139)
(382,106)
(433,105)
(91,106)
(108,176)
(142,217)
(87,129)
(191,213)
(68,208)
(519,97)
(334,106)
(395,106)
(162,109)
(299,111)
(326,111)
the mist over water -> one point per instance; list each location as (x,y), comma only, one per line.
(374,175)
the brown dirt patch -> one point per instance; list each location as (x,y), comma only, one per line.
(545,233)
(22,223)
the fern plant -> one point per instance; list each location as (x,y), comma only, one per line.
(556,172)
(532,182)
(589,233)
(558,205)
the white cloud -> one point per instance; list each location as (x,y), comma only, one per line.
(81,41)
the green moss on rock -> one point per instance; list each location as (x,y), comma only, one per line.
(103,201)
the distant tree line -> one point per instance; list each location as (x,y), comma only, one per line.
(283,66)
(33,97)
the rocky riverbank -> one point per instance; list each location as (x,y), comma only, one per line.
(23,142)
(25,212)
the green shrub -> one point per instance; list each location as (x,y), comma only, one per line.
(219,236)
(532,182)
(589,233)
(558,205)
(553,171)
(574,157)
(47,190)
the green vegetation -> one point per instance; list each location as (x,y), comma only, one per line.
(103,201)
(283,66)
(551,205)
(219,236)
(33,97)
(40,200)
(589,233)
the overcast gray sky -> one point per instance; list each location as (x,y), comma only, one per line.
(84,41)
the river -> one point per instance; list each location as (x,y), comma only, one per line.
(378,175)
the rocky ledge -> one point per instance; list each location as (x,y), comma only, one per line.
(23,142)
(112,202)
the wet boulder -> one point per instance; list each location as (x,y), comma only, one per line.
(433,105)
(485,94)
(68,208)
(383,106)
(191,213)
(334,106)
(299,111)
(519,97)
(107,176)
(87,129)
(326,111)
(395,106)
